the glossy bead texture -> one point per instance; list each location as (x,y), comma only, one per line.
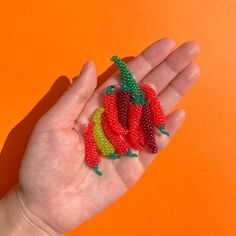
(102,142)
(92,157)
(159,118)
(123,103)
(110,104)
(149,129)
(120,145)
(135,111)
(142,140)
(127,76)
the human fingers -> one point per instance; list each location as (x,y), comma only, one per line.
(140,66)
(177,61)
(146,61)
(172,94)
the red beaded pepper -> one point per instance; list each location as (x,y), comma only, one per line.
(123,103)
(142,140)
(92,157)
(135,111)
(159,118)
(148,127)
(110,99)
(119,144)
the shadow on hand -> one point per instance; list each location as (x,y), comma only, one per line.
(14,146)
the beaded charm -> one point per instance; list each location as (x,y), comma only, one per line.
(148,128)
(135,112)
(121,146)
(92,156)
(159,118)
(128,78)
(111,110)
(142,140)
(128,118)
(102,142)
(123,103)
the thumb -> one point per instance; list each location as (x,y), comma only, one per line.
(65,111)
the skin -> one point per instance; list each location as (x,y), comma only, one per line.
(57,191)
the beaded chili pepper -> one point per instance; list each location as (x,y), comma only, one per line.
(92,157)
(102,142)
(120,145)
(159,118)
(112,112)
(149,130)
(135,111)
(123,103)
(128,78)
(141,135)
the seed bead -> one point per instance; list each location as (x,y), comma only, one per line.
(135,111)
(127,75)
(159,118)
(148,127)
(110,104)
(123,103)
(102,142)
(121,146)
(92,157)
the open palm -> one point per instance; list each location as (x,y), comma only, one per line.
(56,186)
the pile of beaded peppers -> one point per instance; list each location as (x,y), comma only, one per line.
(127,120)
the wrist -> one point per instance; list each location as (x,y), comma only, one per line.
(17,219)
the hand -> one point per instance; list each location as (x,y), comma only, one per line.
(57,190)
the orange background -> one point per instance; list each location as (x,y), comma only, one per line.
(191,188)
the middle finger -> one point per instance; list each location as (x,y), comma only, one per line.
(179,59)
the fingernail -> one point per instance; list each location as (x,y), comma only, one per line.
(182,113)
(85,67)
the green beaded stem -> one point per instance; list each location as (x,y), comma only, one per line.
(163,131)
(97,171)
(110,89)
(138,97)
(130,154)
(127,75)
(113,156)
(124,87)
